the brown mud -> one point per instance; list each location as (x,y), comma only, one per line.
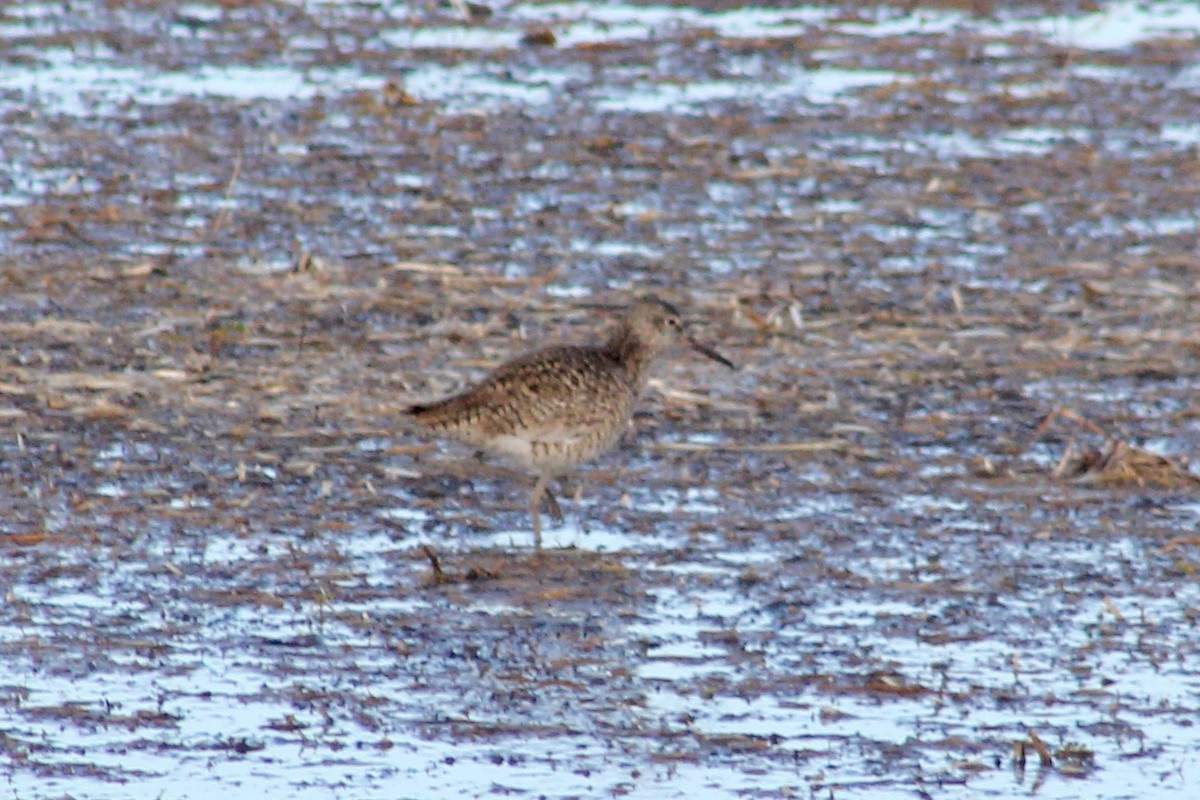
(936,537)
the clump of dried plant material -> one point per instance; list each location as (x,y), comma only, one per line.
(1076,759)
(1116,462)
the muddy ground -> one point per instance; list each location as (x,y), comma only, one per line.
(937,537)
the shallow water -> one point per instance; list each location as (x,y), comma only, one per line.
(235,237)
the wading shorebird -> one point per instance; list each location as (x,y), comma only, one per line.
(552,409)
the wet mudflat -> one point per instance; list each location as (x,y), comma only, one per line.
(938,529)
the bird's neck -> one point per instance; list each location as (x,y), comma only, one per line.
(631,353)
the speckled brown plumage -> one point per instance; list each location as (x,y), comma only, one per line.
(552,409)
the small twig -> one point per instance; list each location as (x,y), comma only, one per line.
(1042,750)
(537,285)
(224,214)
(439,577)
(1075,416)
(1068,413)
(1179,541)
(1112,609)
(424,268)
(1113,453)
(1061,468)
(1042,427)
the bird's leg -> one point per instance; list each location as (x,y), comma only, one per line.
(547,499)
(575,498)
(535,502)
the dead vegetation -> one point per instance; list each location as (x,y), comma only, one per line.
(1115,462)
(868,556)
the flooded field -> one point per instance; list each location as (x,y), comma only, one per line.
(937,537)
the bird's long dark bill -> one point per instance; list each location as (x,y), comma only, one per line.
(710,353)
